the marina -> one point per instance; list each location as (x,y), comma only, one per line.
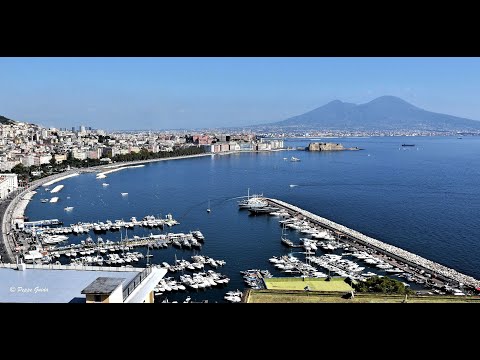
(394,255)
(246,240)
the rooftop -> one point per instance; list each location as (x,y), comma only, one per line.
(42,285)
(103,285)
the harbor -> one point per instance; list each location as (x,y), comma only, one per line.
(396,257)
(246,240)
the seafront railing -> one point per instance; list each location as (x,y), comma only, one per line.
(137,280)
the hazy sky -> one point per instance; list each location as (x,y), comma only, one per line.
(166,93)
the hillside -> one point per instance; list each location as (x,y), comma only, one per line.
(6,121)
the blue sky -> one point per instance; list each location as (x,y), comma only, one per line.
(167,93)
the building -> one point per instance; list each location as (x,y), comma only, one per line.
(59,158)
(78,154)
(28,160)
(95,153)
(8,165)
(43,159)
(8,183)
(86,284)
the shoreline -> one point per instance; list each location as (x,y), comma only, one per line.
(8,216)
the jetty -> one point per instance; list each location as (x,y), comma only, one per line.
(50,226)
(410,260)
(57,179)
(56,189)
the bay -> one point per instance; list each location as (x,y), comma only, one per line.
(423,198)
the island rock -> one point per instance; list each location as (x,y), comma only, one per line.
(323,146)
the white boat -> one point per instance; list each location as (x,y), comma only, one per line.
(124,193)
(105,184)
(53,239)
(293,158)
(32,256)
(101,176)
(252,201)
(68,208)
(54,199)
(233,299)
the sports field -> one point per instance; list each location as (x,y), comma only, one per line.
(314,284)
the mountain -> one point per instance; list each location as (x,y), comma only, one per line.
(383,113)
(6,121)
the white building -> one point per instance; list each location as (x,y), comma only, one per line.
(8,183)
(8,165)
(28,160)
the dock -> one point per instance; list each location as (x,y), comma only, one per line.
(50,226)
(406,258)
(41,223)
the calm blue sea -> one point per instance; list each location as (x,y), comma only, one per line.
(424,199)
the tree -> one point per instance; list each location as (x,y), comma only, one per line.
(384,285)
(20,169)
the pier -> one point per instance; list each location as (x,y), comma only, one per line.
(411,261)
(41,223)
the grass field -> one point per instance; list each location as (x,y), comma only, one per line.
(277,296)
(315,284)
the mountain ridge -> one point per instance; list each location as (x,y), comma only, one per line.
(382,113)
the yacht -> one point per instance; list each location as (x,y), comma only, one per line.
(198,235)
(255,200)
(293,158)
(124,193)
(263,209)
(68,208)
(105,184)
(53,239)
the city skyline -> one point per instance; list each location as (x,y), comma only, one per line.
(173,93)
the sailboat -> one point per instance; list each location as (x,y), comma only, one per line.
(208,209)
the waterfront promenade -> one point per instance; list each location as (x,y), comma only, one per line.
(430,267)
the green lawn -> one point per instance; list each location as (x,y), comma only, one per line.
(315,284)
(278,296)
